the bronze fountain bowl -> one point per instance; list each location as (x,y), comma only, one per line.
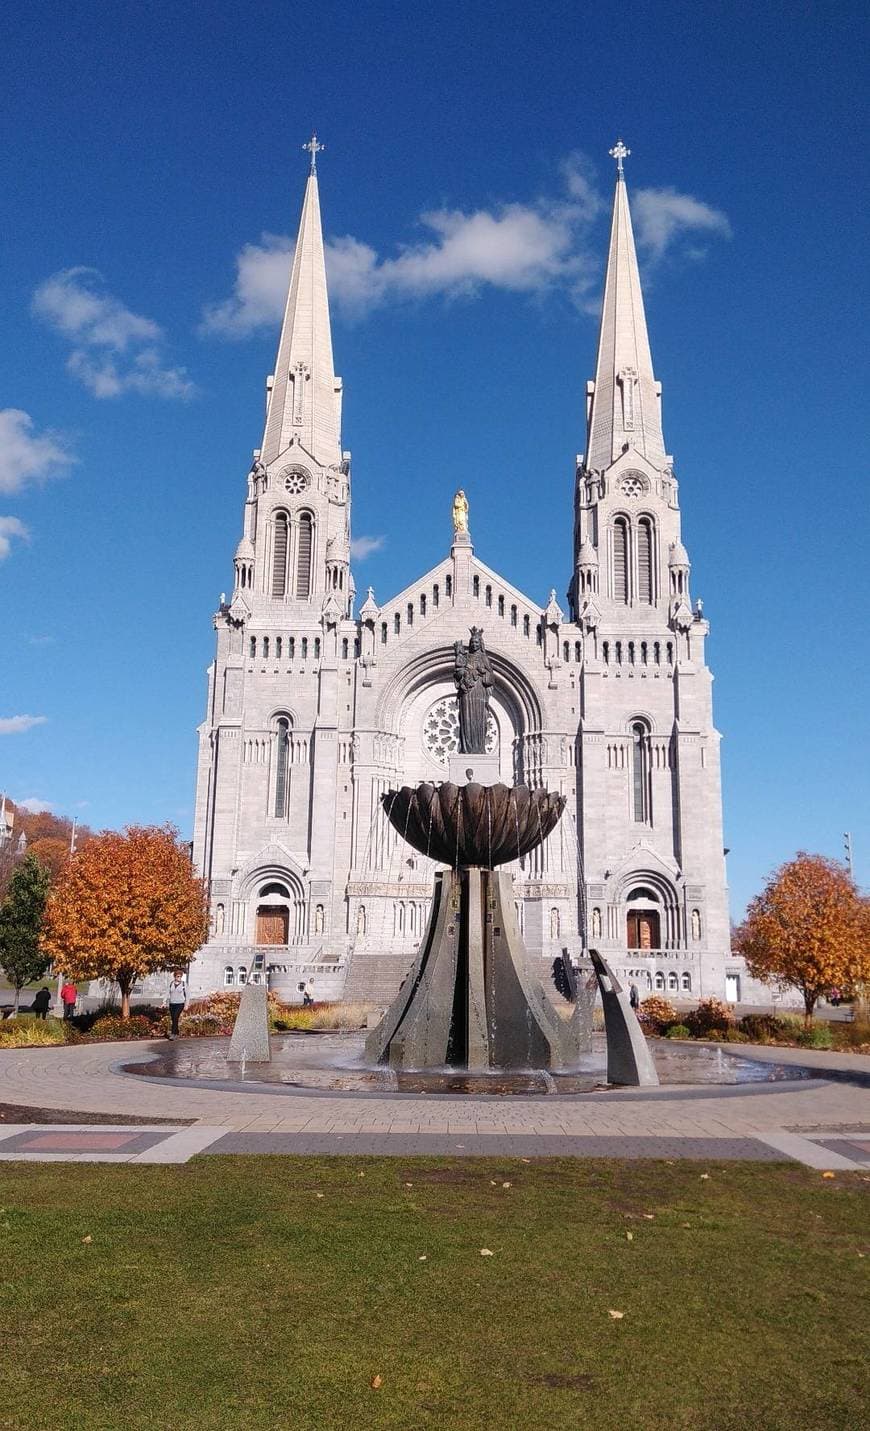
(484,825)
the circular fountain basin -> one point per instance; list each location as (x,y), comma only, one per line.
(334,1063)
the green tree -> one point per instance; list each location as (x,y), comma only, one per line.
(21,913)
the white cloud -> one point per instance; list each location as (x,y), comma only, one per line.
(116,350)
(10,527)
(26,456)
(520,248)
(362,547)
(34,806)
(661,215)
(15,725)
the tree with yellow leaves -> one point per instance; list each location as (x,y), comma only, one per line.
(809,928)
(127,905)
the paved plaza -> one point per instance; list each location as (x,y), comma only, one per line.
(822,1121)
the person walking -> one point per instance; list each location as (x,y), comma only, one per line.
(177,1000)
(41,1002)
(68,997)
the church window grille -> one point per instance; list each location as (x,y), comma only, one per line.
(278,648)
(488,596)
(253,648)
(631,653)
(441,730)
(501,606)
(660,981)
(265,648)
(383,633)
(640,772)
(687,983)
(673,983)
(539,633)
(578,651)
(422,603)
(242,975)
(657,652)
(475,586)
(448,585)
(670,653)
(410,613)
(397,623)
(281,763)
(305,648)
(566,651)
(291,647)
(305,543)
(527,625)
(229,976)
(435,596)
(645,560)
(620,560)
(618,651)
(513,616)
(279,555)
(605,652)
(317,648)
(344,649)
(643,653)
(356,646)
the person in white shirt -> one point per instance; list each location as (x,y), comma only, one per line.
(177,1000)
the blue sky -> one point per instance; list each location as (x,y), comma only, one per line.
(464,188)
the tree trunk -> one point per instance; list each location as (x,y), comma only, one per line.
(810,997)
(17,1000)
(125,998)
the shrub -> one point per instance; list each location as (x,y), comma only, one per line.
(708,1018)
(339,1016)
(655,1014)
(197,1026)
(735,1036)
(815,1036)
(855,1035)
(677,1031)
(763,1028)
(34,1033)
(112,1026)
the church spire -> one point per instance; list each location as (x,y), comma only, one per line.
(304,399)
(625,405)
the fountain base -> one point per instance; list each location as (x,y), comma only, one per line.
(472,999)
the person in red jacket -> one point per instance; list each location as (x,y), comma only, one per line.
(68,995)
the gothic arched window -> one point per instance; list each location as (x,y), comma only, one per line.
(344,648)
(620,559)
(304,546)
(282,760)
(279,555)
(640,772)
(645,588)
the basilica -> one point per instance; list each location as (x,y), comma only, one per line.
(319,703)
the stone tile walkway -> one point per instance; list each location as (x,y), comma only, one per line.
(823,1122)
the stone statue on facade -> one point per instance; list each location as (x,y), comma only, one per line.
(460,513)
(472,675)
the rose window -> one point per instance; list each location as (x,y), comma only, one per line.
(441,730)
(633,485)
(296,483)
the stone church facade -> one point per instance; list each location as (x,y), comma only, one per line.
(317,705)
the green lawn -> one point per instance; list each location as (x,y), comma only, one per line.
(227,1293)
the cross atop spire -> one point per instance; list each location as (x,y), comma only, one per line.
(619,152)
(314,148)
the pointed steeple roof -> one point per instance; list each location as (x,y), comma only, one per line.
(625,399)
(305,398)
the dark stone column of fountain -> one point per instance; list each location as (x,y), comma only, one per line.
(473,998)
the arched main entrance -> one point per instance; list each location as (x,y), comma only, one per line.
(643,920)
(273,915)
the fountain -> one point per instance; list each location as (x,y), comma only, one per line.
(473,998)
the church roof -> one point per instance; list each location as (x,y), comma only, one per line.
(587,555)
(305,399)
(625,408)
(678,556)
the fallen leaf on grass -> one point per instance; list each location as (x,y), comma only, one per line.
(688,1225)
(650,1216)
(525,1160)
(629,1237)
(87,1239)
(485,1252)
(507,1185)
(422,1257)
(705,1177)
(320,1194)
(409,1185)
(377,1380)
(828,1175)
(617,1316)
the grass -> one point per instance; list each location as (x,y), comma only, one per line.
(256,1292)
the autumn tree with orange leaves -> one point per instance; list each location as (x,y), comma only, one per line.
(127,905)
(810,928)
